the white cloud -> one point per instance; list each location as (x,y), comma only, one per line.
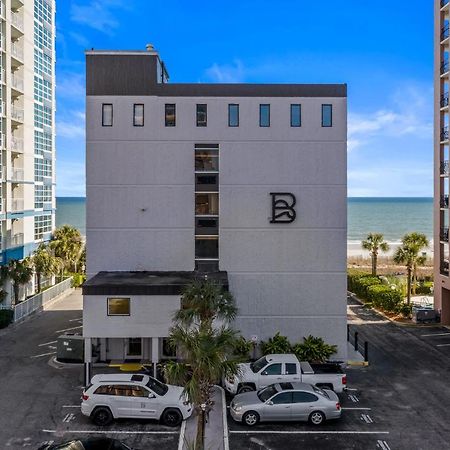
(70,180)
(226,73)
(72,126)
(79,39)
(71,85)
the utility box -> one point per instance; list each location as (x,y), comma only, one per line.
(70,348)
(423,315)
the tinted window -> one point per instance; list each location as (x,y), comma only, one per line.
(233,115)
(264,115)
(202,113)
(273,369)
(266,393)
(103,390)
(259,364)
(291,369)
(284,397)
(122,390)
(170,115)
(138,115)
(304,397)
(157,387)
(107,115)
(327,115)
(296,115)
(118,306)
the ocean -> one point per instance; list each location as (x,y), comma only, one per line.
(391,216)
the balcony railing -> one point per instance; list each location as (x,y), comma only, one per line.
(17,175)
(444,32)
(444,201)
(2,141)
(445,168)
(444,66)
(444,267)
(2,9)
(17,51)
(17,82)
(444,2)
(17,20)
(443,237)
(17,145)
(444,100)
(15,240)
(444,133)
(16,114)
(16,204)
(2,76)
(2,109)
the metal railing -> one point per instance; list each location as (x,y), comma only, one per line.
(16,204)
(444,32)
(444,2)
(17,114)
(2,109)
(17,145)
(2,76)
(359,346)
(445,167)
(2,141)
(17,175)
(444,100)
(17,82)
(444,66)
(17,20)
(444,133)
(443,235)
(444,201)
(17,51)
(38,301)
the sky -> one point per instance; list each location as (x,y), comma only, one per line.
(383,50)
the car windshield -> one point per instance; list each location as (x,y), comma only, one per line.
(320,391)
(266,393)
(259,364)
(157,387)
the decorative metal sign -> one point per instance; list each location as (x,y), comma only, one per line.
(283,207)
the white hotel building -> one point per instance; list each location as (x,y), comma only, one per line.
(245,182)
(27,125)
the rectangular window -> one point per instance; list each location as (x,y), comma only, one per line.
(264,115)
(327,115)
(291,369)
(207,248)
(118,306)
(107,115)
(170,115)
(202,114)
(138,115)
(296,115)
(207,204)
(206,160)
(233,115)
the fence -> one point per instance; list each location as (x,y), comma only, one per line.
(36,302)
(361,347)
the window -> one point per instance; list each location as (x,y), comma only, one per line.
(118,306)
(327,115)
(107,115)
(207,204)
(202,114)
(170,115)
(296,115)
(207,183)
(304,397)
(122,391)
(206,160)
(291,369)
(138,115)
(273,369)
(233,115)
(207,247)
(104,390)
(283,398)
(264,115)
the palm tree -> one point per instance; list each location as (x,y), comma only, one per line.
(418,241)
(207,358)
(67,244)
(374,243)
(44,263)
(19,272)
(408,254)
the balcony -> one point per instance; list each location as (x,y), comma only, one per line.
(444,134)
(16,114)
(444,32)
(444,67)
(16,240)
(443,236)
(444,3)
(16,204)
(18,175)
(444,100)
(17,21)
(17,145)
(445,168)
(2,76)
(17,82)
(443,203)
(2,141)
(2,109)
(17,51)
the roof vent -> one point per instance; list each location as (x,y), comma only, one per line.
(150,48)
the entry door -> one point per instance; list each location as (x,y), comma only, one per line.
(133,348)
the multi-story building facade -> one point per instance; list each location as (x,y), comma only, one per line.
(441,159)
(243,182)
(27,125)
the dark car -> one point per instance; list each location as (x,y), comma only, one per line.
(94,443)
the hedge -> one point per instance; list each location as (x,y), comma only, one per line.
(359,283)
(384,297)
(6,317)
(424,288)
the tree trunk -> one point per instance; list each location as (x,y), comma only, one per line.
(408,296)
(38,278)
(414,280)
(200,438)
(16,287)
(374,264)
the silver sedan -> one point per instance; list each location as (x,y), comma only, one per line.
(286,401)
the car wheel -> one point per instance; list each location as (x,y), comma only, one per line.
(102,416)
(172,417)
(251,418)
(245,388)
(316,418)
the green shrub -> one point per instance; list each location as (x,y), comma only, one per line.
(314,349)
(359,283)
(6,317)
(405,310)
(424,288)
(243,348)
(276,344)
(78,279)
(384,297)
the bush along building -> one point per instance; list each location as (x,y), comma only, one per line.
(245,183)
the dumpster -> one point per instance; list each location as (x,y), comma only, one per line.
(70,348)
(424,315)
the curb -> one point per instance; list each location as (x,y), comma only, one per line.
(226,443)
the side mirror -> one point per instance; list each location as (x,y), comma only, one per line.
(269,402)
(263,372)
(150,395)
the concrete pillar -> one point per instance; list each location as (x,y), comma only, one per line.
(87,360)
(103,349)
(155,354)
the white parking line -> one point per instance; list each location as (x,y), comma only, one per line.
(71,406)
(307,432)
(47,343)
(366,418)
(69,417)
(443,345)
(435,334)
(181,439)
(353,398)
(43,354)
(357,409)
(68,329)
(74,320)
(383,445)
(108,432)
(351,389)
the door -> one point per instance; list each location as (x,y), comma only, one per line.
(146,403)
(270,374)
(303,404)
(291,372)
(278,407)
(133,348)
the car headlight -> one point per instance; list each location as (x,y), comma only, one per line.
(236,407)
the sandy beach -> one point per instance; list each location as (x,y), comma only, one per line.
(354,250)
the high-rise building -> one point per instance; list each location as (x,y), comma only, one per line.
(441,159)
(27,125)
(243,183)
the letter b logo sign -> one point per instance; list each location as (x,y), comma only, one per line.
(283,207)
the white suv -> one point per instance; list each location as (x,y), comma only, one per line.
(113,396)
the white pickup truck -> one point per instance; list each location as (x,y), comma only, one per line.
(282,368)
